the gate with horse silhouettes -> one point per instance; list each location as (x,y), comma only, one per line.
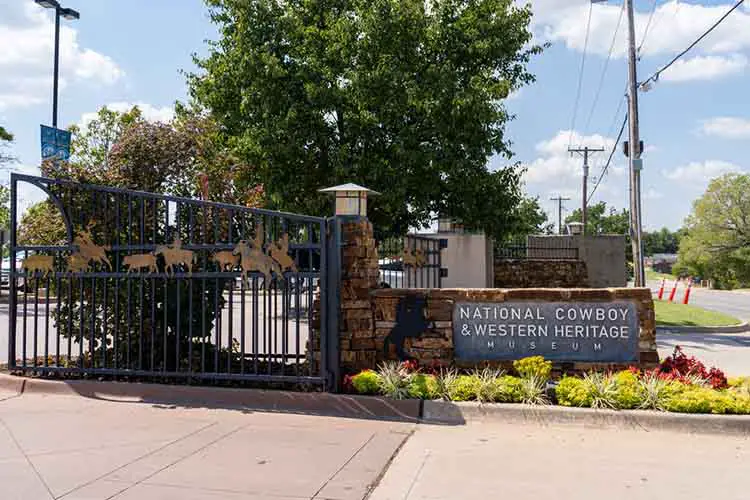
(145,285)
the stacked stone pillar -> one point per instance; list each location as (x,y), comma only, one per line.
(359,276)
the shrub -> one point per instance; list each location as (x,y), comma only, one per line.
(444,383)
(657,391)
(423,386)
(533,366)
(533,390)
(602,389)
(487,386)
(508,389)
(629,392)
(366,382)
(686,369)
(465,388)
(394,380)
(572,391)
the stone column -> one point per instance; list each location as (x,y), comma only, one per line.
(359,276)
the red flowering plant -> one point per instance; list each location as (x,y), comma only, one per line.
(683,368)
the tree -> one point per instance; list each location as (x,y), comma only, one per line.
(662,241)
(717,243)
(5,139)
(599,220)
(530,219)
(402,96)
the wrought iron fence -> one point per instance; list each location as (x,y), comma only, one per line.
(521,250)
(411,261)
(152,285)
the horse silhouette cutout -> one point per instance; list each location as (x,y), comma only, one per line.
(138,261)
(77,263)
(226,260)
(279,252)
(175,256)
(410,323)
(253,258)
(42,263)
(89,250)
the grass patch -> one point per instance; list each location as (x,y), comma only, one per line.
(671,314)
(652,275)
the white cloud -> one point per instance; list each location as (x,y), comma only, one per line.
(26,58)
(674,26)
(705,68)
(727,127)
(700,173)
(556,165)
(653,194)
(148,111)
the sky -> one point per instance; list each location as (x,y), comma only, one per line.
(694,121)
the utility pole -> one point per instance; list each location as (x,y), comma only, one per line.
(559,201)
(634,155)
(584,202)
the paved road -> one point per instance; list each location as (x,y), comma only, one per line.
(480,461)
(736,304)
(75,448)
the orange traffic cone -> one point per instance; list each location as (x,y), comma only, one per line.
(687,292)
(674,291)
(661,288)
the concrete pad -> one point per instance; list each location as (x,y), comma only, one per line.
(94,450)
(20,482)
(162,492)
(315,454)
(480,461)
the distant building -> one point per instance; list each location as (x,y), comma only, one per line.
(661,262)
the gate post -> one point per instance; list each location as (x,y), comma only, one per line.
(351,273)
(331,303)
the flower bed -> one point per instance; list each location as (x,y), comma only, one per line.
(680,384)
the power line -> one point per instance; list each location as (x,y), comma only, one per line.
(609,160)
(648,25)
(580,75)
(655,76)
(604,71)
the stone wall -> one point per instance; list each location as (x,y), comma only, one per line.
(435,348)
(540,273)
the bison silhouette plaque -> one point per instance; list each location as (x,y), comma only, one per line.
(410,322)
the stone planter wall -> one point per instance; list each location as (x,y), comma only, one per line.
(540,273)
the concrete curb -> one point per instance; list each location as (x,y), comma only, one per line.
(374,407)
(741,328)
(448,413)
(311,403)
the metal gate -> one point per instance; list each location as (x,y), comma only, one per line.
(412,261)
(149,285)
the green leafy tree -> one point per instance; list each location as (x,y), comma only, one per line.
(402,96)
(662,241)
(717,243)
(600,220)
(5,139)
(530,219)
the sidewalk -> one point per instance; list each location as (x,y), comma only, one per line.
(484,460)
(78,448)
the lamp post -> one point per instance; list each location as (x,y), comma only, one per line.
(351,199)
(70,15)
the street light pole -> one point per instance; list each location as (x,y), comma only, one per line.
(70,15)
(57,68)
